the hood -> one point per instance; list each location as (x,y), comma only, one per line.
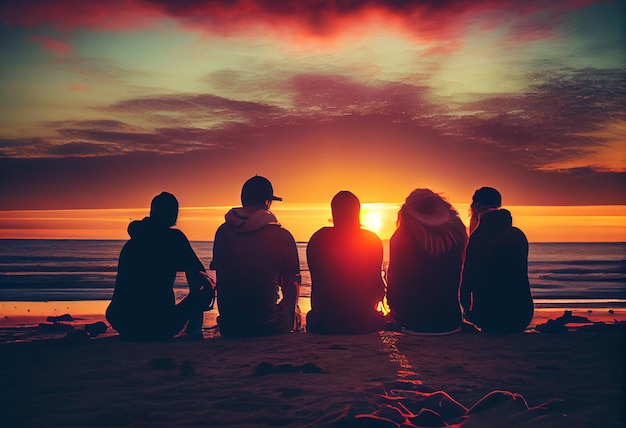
(497,220)
(144,229)
(240,222)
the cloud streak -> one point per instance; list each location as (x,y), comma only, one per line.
(52,45)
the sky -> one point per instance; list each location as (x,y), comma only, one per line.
(105,104)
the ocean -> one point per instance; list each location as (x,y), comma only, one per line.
(561,274)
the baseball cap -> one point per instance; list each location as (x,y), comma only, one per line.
(258,190)
(487,197)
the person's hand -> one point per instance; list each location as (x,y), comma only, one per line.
(468,316)
(208,277)
(207,291)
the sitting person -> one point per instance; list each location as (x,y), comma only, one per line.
(345,263)
(143,304)
(256,261)
(425,259)
(495,292)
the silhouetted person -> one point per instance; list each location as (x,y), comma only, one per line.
(143,304)
(495,292)
(256,261)
(345,263)
(425,260)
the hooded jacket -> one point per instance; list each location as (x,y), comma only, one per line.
(422,283)
(346,282)
(495,292)
(147,269)
(255,259)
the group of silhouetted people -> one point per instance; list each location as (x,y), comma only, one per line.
(437,281)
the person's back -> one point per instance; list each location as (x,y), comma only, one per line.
(495,291)
(345,263)
(147,268)
(496,276)
(425,259)
(256,261)
(143,303)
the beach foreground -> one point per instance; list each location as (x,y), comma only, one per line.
(568,379)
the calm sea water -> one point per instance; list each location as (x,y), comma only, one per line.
(586,274)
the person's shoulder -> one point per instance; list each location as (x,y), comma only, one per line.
(221,230)
(177,235)
(278,230)
(517,233)
(321,237)
(400,238)
(369,234)
(369,238)
(324,231)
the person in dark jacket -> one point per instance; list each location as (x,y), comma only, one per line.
(143,304)
(425,259)
(495,291)
(345,263)
(257,267)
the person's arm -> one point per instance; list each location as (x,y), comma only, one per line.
(217,240)
(375,291)
(379,269)
(199,280)
(397,271)
(291,279)
(191,265)
(467,278)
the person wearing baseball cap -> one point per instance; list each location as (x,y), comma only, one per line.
(256,261)
(257,190)
(495,292)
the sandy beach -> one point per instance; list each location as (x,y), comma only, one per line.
(573,378)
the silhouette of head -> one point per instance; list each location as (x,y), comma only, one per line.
(346,209)
(257,191)
(487,197)
(427,208)
(164,209)
(432,222)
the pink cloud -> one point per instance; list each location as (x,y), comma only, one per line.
(427,19)
(113,15)
(51,44)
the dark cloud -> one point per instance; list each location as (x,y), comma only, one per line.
(161,140)
(21,142)
(208,103)
(551,121)
(203,177)
(80,148)
(88,124)
(21,147)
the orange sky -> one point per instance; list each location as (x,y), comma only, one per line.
(541,224)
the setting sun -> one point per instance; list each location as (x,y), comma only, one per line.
(372,220)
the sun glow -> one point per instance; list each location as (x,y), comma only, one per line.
(373,220)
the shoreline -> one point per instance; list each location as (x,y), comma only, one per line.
(29,321)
